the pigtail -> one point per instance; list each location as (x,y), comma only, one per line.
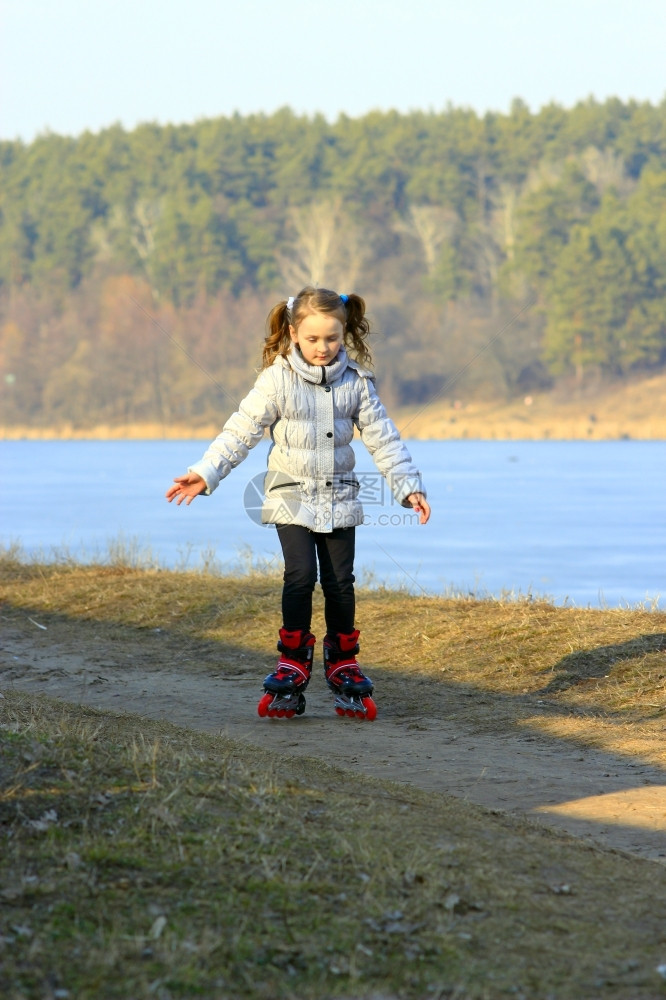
(278,338)
(357,329)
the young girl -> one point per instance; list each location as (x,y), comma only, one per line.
(312,393)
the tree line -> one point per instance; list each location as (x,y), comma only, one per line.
(498,253)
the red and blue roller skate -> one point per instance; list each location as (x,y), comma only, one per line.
(352,689)
(284,697)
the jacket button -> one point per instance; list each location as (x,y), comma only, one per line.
(329,434)
(327,388)
(328,482)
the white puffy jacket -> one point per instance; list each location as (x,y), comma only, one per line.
(311,412)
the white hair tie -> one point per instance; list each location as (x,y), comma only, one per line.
(290,302)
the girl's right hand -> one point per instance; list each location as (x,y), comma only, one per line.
(186,488)
(420,506)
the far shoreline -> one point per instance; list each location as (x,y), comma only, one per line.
(627,411)
(472,432)
(470,427)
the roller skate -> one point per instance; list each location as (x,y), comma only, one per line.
(283,697)
(352,689)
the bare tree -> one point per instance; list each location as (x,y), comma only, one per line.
(604,168)
(502,219)
(325,246)
(145,217)
(430,226)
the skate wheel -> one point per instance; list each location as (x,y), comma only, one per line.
(370,709)
(339,711)
(350,712)
(264,702)
(290,713)
(281,713)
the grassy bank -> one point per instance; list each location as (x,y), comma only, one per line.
(604,670)
(141,860)
(628,410)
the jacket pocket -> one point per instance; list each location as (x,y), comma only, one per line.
(276,481)
(349,484)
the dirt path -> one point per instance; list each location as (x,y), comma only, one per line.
(618,801)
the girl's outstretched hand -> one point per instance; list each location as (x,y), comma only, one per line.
(420,506)
(186,488)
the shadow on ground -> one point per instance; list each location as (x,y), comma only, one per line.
(584,665)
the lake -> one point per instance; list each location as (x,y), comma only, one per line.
(575,521)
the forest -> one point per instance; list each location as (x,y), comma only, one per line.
(499,254)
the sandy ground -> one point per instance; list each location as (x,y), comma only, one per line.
(616,800)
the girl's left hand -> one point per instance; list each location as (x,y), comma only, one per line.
(420,506)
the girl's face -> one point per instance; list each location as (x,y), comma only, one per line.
(320,337)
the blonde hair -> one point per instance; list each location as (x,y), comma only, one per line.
(350,310)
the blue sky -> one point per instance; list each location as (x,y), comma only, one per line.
(71,65)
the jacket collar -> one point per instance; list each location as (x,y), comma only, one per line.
(318,373)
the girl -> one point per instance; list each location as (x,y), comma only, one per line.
(312,393)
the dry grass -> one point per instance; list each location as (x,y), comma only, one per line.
(148,431)
(139,860)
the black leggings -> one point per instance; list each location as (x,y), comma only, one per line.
(302,549)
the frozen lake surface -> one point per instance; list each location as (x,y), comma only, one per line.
(574,521)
